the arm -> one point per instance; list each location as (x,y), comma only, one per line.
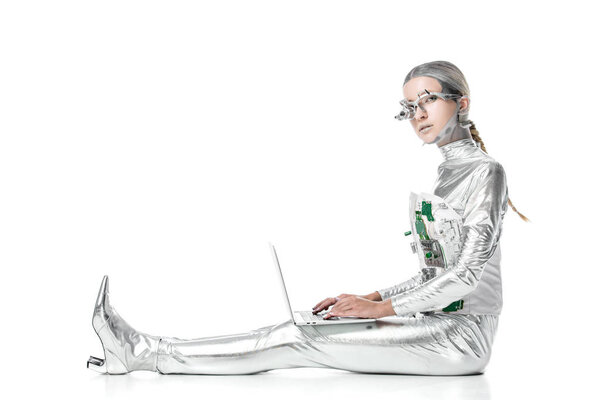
(386,293)
(373,296)
(482,226)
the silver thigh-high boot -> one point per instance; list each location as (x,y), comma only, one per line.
(125,349)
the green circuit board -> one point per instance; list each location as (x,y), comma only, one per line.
(426,211)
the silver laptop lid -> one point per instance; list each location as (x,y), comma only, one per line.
(276,260)
(337,320)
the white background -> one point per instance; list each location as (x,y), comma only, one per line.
(166,143)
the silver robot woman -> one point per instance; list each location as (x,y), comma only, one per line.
(446,315)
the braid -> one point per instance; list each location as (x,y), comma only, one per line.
(477,139)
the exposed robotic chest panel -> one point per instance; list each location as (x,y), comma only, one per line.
(436,231)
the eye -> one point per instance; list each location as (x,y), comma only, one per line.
(431,99)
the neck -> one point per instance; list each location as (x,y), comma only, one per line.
(457,132)
(460,148)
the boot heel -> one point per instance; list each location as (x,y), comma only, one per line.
(97,364)
(111,365)
(114,366)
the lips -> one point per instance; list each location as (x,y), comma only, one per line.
(424,127)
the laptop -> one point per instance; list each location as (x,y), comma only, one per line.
(307,317)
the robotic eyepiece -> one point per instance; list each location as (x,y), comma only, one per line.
(424,99)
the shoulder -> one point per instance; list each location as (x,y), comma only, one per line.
(489,165)
(488,171)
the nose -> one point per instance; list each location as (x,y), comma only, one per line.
(420,114)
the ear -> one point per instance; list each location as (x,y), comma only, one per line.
(465,104)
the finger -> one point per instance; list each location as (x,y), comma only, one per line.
(320,304)
(320,309)
(334,314)
(339,308)
(329,300)
(317,306)
(341,303)
(323,305)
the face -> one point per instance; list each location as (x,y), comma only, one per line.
(438,111)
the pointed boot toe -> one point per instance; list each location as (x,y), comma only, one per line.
(111,363)
(125,349)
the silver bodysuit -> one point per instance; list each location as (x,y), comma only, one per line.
(421,339)
(474,185)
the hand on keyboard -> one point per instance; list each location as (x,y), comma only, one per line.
(325,304)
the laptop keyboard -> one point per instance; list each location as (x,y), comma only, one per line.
(309,316)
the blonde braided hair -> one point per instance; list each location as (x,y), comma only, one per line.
(477,139)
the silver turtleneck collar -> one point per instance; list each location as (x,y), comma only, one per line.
(462,148)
